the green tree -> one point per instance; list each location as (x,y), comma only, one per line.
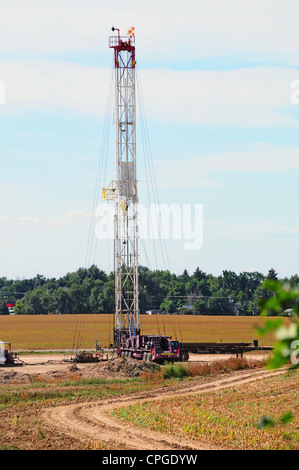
(36,302)
(106,298)
(272,275)
(61,301)
(4,309)
(76,296)
(176,297)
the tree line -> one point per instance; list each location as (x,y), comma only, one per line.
(91,290)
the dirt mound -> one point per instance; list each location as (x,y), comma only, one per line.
(118,368)
(121,368)
(12,376)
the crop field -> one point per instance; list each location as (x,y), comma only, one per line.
(123,404)
(260,416)
(44,332)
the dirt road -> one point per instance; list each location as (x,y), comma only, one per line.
(93,421)
(43,363)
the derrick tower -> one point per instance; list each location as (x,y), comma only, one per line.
(123,190)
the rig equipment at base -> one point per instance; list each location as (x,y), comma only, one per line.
(154,348)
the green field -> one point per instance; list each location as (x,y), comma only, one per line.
(35,332)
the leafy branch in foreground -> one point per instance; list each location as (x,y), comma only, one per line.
(281,298)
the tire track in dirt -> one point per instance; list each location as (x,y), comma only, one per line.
(93,421)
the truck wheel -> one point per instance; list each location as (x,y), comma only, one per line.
(185,356)
(146,357)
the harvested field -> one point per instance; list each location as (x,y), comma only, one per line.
(47,332)
(69,406)
(262,416)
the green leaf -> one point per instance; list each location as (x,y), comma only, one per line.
(269,326)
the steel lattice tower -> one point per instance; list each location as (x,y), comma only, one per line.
(124,190)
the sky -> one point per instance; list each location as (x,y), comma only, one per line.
(218,95)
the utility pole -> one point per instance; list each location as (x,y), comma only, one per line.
(124,190)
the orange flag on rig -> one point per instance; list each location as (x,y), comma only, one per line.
(131,32)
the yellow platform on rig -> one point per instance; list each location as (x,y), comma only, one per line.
(110,191)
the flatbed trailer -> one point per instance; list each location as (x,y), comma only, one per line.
(237,349)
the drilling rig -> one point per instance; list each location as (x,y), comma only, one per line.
(123,190)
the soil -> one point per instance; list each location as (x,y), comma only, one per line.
(50,369)
(87,423)
(58,366)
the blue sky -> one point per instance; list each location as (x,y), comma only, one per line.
(216,86)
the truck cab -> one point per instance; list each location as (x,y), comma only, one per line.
(5,353)
(165,349)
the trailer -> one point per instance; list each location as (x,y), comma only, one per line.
(155,348)
(237,349)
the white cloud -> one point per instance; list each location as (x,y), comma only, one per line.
(28,219)
(245,97)
(196,172)
(5,219)
(242,97)
(247,230)
(54,86)
(165,30)
(260,157)
(71,219)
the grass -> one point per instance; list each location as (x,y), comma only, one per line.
(42,391)
(177,371)
(180,371)
(46,332)
(222,366)
(262,415)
